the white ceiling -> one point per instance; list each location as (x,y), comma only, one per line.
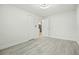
(54,8)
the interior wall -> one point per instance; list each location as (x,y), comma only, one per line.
(16,26)
(77,12)
(63,25)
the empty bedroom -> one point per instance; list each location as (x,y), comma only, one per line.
(39,29)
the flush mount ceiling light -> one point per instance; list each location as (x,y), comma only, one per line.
(44,6)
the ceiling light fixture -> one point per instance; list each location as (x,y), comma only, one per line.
(44,6)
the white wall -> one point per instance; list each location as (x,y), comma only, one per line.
(16,26)
(63,25)
(77,12)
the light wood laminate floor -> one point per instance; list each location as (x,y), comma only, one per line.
(43,46)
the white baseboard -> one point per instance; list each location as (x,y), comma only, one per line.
(73,38)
